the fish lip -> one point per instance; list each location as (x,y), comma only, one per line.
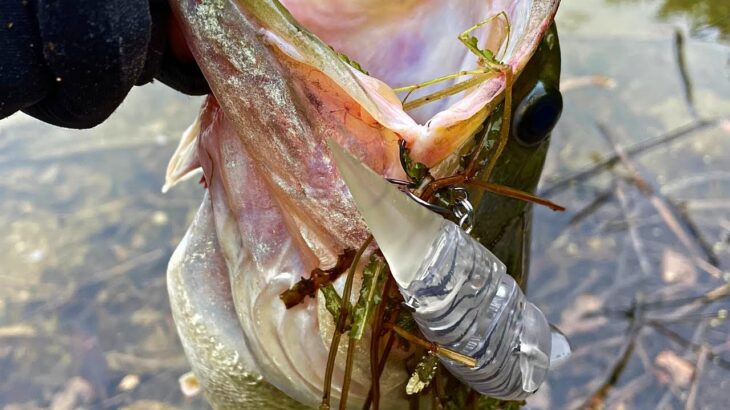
(283,31)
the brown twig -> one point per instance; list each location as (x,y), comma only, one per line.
(351,343)
(437,184)
(688,344)
(702,356)
(502,190)
(69,295)
(438,350)
(471,399)
(515,193)
(690,348)
(375,337)
(629,389)
(684,73)
(370,400)
(598,398)
(341,321)
(601,199)
(308,287)
(636,241)
(693,302)
(637,149)
(694,232)
(664,207)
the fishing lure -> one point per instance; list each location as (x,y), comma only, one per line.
(460,293)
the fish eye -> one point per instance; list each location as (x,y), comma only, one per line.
(537,114)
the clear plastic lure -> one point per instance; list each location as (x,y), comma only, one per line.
(461,296)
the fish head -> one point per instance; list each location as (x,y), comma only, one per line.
(286,78)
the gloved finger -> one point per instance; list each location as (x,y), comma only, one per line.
(186,78)
(24,78)
(96,51)
(159,13)
(178,69)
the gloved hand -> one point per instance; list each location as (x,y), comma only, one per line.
(71,62)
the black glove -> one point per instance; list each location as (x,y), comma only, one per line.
(71,62)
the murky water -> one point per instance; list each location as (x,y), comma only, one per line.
(635,272)
(86,239)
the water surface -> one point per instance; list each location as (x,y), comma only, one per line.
(634,277)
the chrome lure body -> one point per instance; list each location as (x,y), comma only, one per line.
(463,299)
(461,296)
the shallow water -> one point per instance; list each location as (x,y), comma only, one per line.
(87,233)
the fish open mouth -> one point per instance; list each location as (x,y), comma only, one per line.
(376,77)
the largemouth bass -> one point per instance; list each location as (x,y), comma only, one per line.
(276,209)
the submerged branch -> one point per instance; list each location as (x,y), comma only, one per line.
(639,148)
(684,73)
(599,201)
(702,358)
(598,398)
(675,220)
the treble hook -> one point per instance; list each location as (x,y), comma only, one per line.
(461,208)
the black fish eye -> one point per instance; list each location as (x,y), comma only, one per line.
(537,114)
